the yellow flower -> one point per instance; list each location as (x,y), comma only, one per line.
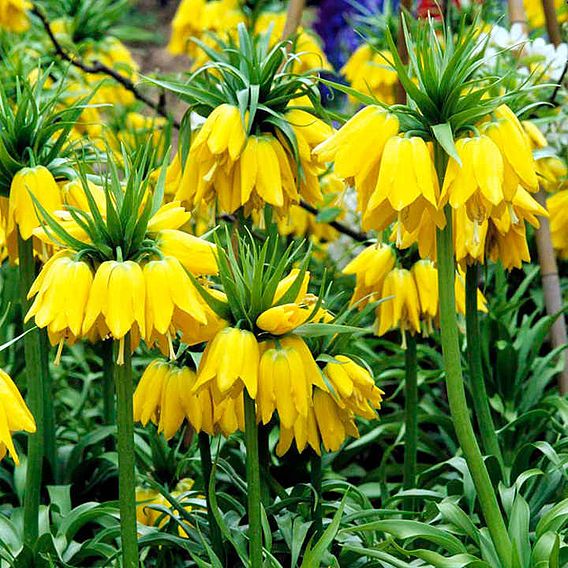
(117,296)
(357,148)
(469,238)
(287,282)
(283,319)
(370,268)
(478,182)
(558,208)
(152,517)
(459,289)
(169,290)
(196,255)
(402,310)
(61,292)
(38,182)
(287,372)
(518,163)
(326,423)
(368,72)
(164,396)
(73,194)
(426,277)
(407,186)
(535,12)
(14,416)
(230,362)
(354,387)
(229,415)
(13,17)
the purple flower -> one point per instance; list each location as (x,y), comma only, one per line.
(334,25)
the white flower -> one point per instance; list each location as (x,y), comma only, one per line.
(550,59)
(503,38)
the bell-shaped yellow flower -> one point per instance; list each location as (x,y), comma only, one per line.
(402,310)
(407,186)
(510,247)
(478,183)
(334,423)
(61,293)
(370,268)
(229,415)
(354,387)
(287,373)
(558,208)
(164,396)
(170,216)
(286,283)
(426,278)
(169,290)
(118,297)
(230,363)
(36,181)
(357,148)
(195,254)
(13,16)
(469,238)
(14,416)
(518,163)
(283,319)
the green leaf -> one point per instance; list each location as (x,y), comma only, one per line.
(443,134)
(313,556)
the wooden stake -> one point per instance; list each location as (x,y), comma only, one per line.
(293,17)
(551,19)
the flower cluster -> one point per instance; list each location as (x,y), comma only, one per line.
(408,298)
(116,273)
(254,145)
(262,352)
(478,143)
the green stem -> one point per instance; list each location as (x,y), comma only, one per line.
(35,372)
(455,386)
(264,458)
(410,413)
(479,396)
(109,407)
(253,483)
(317,512)
(126,459)
(50,448)
(206,468)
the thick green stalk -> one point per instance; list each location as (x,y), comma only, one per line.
(253,484)
(317,511)
(109,407)
(479,396)
(410,413)
(126,459)
(206,468)
(456,391)
(50,448)
(35,372)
